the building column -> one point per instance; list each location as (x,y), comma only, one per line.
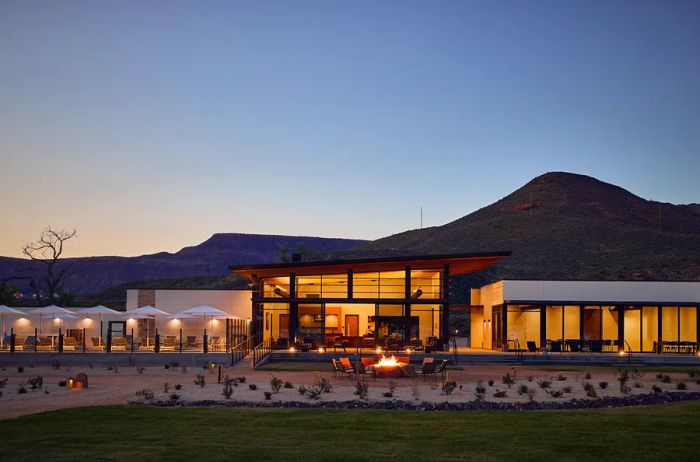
(407,306)
(350,285)
(621,327)
(543,326)
(445,321)
(504,324)
(293,309)
(581,320)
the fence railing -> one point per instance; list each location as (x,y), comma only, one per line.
(261,352)
(241,350)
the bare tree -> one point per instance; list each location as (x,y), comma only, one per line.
(48,250)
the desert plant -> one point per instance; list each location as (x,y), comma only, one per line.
(326,386)
(184,369)
(361,390)
(252,386)
(448,387)
(566,389)
(62,383)
(139,370)
(659,376)
(415,390)
(491,382)
(20,369)
(241,379)
(555,393)
(276,384)
(388,394)
(623,376)
(588,376)
(530,378)
(166,366)
(146,394)
(522,389)
(603,385)
(35,382)
(508,379)
(638,384)
(544,383)
(561,378)
(666,379)
(301,390)
(590,390)
(681,386)
(56,365)
(228,390)
(480,391)
(268,395)
(21,389)
(288,385)
(500,394)
(392,386)
(174,397)
(200,381)
(178,387)
(3,383)
(531,394)
(314,393)
(166,388)
(656,389)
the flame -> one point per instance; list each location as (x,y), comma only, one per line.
(388,362)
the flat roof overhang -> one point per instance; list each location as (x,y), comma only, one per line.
(459,264)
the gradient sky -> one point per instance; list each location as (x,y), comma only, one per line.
(150,125)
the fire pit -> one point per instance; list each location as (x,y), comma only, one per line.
(388,368)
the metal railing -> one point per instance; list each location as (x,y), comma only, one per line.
(629,350)
(241,350)
(261,352)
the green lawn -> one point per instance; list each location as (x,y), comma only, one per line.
(208,434)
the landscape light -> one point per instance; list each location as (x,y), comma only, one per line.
(321,350)
(292,349)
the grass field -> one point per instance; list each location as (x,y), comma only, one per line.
(209,434)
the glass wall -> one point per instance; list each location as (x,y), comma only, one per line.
(650,327)
(563,322)
(425,284)
(523,326)
(275,287)
(555,322)
(669,323)
(633,328)
(428,321)
(688,324)
(275,321)
(592,323)
(609,315)
(326,286)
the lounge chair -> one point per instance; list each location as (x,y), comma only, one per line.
(215,344)
(339,369)
(69,344)
(191,342)
(338,342)
(362,371)
(555,347)
(44,344)
(147,344)
(531,346)
(168,344)
(596,346)
(96,344)
(403,359)
(442,369)
(367,362)
(119,344)
(19,342)
(347,366)
(428,370)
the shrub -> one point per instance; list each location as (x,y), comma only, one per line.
(35,382)
(588,376)
(20,369)
(508,379)
(268,395)
(21,389)
(228,390)
(659,376)
(693,373)
(491,382)
(392,385)
(276,384)
(638,385)
(531,394)
(361,390)
(241,379)
(288,385)
(252,386)
(656,389)
(200,381)
(603,385)
(561,378)
(139,370)
(566,389)
(544,383)
(416,391)
(480,390)
(62,383)
(623,376)
(145,394)
(174,397)
(166,388)
(530,378)
(314,393)
(388,394)
(326,386)
(590,390)
(166,366)
(681,386)
(178,387)
(184,369)
(448,387)
(523,389)
(555,393)
(3,383)
(666,379)
(301,390)
(500,394)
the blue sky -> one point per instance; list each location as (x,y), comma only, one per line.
(149,126)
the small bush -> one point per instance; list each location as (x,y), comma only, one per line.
(35,382)
(21,389)
(166,388)
(326,386)
(361,390)
(666,379)
(561,378)
(508,379)
(20,369)
(544,383)
(491,382)
(681,386)
(139,370)
(480,391)
(166,366)
(588,376)
(276,384)
(200,381)
(62,383)
(268,395)
(3,383)
(448,387)
(388,394)
(314,393)
(656,389)
(241,379)
(288,385)
(178,387)
(590,390)
(523,389)
(228,390)
(659,376)
(566,389)
(555,393)
(638,385)
(530,378)
(145,394)
(531,394)
(301,390)
(623,376)
(174,397)
(252,386)
(603,385)
(184,369)
(500,394)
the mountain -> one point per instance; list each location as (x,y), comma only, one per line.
(210,258)
(568,226)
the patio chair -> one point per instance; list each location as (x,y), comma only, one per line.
(215,344)
(69,344)
(596,346)
(96,344)
(338,369)
(19,342)
(442,369)
(362,371)
(403,359)
(368,342)
(339,342)
(168,343)
(574,346)
(6,342)
(44,344)
(555,346)
(531,346)
(119,344)
(347,366)
(427,370)
(147,344)
(191,342)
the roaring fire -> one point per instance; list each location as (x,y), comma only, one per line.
(387,362)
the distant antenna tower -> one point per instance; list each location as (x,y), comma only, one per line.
(421,217)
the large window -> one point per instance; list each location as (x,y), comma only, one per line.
(275,321)
(425,284)
(650,327)
(326,286)
(563,322)
(276,287)
(523,325)
(669,323)
(428,321)
(633,327)
(688,324)
(385,284)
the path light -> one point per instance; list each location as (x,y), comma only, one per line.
(321,350)
(292,349)
(379,349)
(622,352)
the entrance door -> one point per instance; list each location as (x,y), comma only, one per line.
(352,325)
(284,326)
(497,329)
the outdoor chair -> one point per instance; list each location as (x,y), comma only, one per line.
(368,363)
(119,344)
(338,342)
(6,342)
(361,371)
(191,342)
(146,344)
(19,343)
(428,370)
(574,345)
(531,346)
(596,346)
(442,369)
(339,369)
(69,344)
(347,366)
(403,359)
(168,343)
(368,342)
(44,344)
(555,347)
(96,344)
(215,344)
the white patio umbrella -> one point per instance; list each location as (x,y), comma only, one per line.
(206,311)
(147,311)
(51,310)
(7,311)
(99,310)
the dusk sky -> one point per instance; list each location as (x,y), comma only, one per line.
(149,126)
